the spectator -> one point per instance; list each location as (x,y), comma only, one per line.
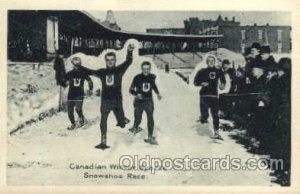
(251,60)
(282,132)
(230,71)
(264,108)
(267,59)
(254,54)
(256,106)
(59,68)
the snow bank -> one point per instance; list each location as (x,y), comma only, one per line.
(30,92)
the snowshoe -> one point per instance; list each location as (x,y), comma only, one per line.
(202,121)
(139,129)
(87,124)
(82,122)
(147,140)
(217,136)
(132,130)
(135,130)
(72,127)
(102,146)
(126,121)
(151,141)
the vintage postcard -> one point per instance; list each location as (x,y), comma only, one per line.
(108,95)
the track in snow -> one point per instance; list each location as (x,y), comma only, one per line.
(40,154)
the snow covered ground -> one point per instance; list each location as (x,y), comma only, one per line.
(30,92)
(44,153)
(41,154)
(27,97)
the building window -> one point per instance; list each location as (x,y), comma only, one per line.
(52,35)
(279,48)
(243,48)
(266,37)
(200,45)
(243,32)
(97,42)
(76,42)
(92,43)
(260,34)
(279,35)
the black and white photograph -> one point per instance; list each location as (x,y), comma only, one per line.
(114,97)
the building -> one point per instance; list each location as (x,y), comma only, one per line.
(37,35)
(236,37)
(195,26)
(166,30)
(277,37)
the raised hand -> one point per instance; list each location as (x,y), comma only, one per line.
(159,97)
(222,86)
(130,47)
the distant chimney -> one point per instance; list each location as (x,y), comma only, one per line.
(233,19)
(268,24)
(226,19)
(255,24)
(110,18)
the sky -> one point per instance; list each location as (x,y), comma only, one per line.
(139,21)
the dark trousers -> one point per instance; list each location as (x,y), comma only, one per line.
(225,105)
(141,106)
(106,107)
(211,103)
(75,102)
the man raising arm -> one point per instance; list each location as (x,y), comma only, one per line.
(111,98)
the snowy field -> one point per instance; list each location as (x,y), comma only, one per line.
(42,153)
(30,91)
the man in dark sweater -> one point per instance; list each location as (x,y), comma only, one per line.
(209,78)
(75,79)
(111,98)
(141,87)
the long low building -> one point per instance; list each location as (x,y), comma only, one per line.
(236,37)
(37,35)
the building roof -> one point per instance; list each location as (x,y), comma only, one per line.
(82,24)
(151,36)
